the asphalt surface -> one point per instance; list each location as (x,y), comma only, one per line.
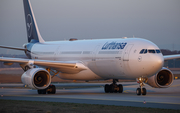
(165,98)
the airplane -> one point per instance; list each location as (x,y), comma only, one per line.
(99,59)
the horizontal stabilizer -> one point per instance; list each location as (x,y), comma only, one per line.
(10,47)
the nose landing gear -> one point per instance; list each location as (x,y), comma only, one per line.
(141,81)
(113,87)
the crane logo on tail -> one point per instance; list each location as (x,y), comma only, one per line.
(29,25)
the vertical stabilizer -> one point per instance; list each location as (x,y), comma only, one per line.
(33,34)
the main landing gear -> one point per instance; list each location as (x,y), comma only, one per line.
(141,90)
(113,87)
(50,90)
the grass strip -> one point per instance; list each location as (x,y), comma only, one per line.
(17,106)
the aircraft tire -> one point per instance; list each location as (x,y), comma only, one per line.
(42,91)
(138,91)
(39,91)
(120,88)
(143,91)
(111,87)
(106,88)
(53,89)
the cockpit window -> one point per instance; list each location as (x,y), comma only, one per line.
(158,51)
(144,51)
(151,51)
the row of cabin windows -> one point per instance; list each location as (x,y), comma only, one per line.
(144,51)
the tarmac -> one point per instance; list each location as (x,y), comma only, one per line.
(165,98)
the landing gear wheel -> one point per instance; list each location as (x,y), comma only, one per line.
(143,91)
(41,91)
(51,89)
(115,91)
(111,87)
(106,88)
(138,91)
(120,88)
(141,81)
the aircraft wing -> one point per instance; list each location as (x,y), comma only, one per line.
(169,57)
(62,66)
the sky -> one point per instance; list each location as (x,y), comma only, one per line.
(154,20)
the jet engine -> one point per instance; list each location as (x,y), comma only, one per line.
(163,79)
(37,78)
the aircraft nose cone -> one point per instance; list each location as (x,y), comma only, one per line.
(160,60)
(157,62)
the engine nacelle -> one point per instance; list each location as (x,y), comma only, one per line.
(163,79)
(37,78)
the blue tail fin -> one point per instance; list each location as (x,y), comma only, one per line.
(33,34)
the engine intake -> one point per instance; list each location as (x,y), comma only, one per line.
(37,78)
(163,79)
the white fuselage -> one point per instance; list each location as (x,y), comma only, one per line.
(105,59)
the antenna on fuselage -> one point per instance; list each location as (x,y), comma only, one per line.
(124,37)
